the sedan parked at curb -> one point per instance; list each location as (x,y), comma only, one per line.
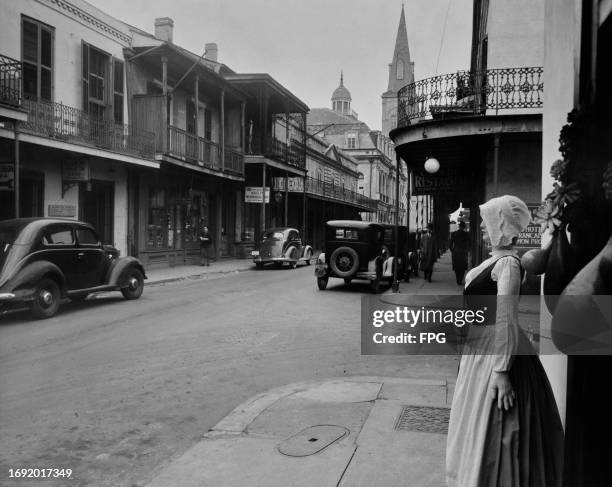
(43,260)
(281,245)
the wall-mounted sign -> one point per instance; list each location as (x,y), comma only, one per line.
(295,184)
(75,170)
(254,194)
(7,177)
(442,182)
(532,236)
(62,210)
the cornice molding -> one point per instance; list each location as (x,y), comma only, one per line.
(87,19)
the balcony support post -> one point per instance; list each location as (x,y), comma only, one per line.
(243,127)
(304,225)
(16,169)
(262,223)
(222,129)
(495,164)
(196,102)
(286,197)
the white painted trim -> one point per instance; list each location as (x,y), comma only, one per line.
(90,151)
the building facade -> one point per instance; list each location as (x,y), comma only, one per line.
(73,150)
(483,125)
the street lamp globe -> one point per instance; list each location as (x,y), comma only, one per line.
(432,165)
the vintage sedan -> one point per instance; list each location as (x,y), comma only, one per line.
(356,250)
(44,260)
(281,245)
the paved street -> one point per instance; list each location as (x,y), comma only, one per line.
(116,390)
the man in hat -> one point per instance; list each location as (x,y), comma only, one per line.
(460,244)
(429,249)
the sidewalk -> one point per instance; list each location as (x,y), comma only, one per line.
(359,431)
(179,272)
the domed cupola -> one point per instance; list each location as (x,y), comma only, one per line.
(341,98)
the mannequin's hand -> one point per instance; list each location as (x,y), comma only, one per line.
(501,389)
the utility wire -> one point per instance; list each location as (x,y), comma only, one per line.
(442,38)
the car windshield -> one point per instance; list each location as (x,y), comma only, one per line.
(272,236)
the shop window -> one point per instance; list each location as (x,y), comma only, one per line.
(37,57)
(156,234)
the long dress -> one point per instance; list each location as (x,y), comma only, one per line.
(486,446)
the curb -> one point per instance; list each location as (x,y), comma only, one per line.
(237,421)
(202,275)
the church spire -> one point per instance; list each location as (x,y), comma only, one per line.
(401,69)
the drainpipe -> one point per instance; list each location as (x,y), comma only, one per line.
(222,130)
(495,163)
(262,224)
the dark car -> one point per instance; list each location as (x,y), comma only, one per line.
(281,245)
(43,260)
(355,250)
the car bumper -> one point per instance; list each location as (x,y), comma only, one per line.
(7,297)
(263,260)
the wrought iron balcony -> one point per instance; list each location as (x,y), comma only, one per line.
(470,93)
(203,152)
(10,81)
(338,193)
(69,124)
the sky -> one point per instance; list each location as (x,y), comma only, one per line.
(304,44)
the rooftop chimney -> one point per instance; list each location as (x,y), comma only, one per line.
(211,51)
(163,28)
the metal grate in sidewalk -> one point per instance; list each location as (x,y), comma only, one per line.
(425,419)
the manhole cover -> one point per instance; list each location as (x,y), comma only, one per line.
(426,419)
(312,440)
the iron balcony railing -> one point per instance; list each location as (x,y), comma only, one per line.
(292,153)
(203,152)
(337,192)
(10,81)
(470,93)
(69,124)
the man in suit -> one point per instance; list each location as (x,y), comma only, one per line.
(460,244)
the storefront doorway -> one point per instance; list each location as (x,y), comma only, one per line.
(97,207)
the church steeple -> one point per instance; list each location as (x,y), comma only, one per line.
(401,69)
(401,73)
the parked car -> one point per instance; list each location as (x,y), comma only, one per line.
(43,260)
(355,250)
(280,245)
(407,257)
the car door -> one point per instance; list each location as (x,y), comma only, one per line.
(59,247)
(92,260)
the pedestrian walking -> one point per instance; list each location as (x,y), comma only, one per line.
(460,244)
(504,427)
(205,244)
(429,249)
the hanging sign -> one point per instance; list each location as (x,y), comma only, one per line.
(7,177)
(254,194)
(75,170)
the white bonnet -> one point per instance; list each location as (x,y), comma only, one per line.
(504,217)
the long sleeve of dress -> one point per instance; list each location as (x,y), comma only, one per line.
(507,274)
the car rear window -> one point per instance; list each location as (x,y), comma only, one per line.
(58,236)
(347,234)
(273,236)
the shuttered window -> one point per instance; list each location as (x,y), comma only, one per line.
(37,56)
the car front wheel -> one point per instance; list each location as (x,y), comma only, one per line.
(46,299)
(135,284)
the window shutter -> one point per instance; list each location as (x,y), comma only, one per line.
(118,90)
(85,75)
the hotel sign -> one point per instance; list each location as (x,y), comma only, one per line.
(531,238)
(295,184)
(442,183)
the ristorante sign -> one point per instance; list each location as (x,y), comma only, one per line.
(446,182)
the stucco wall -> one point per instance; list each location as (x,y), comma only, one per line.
(515,30)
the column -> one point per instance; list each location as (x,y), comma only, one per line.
(222,129)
